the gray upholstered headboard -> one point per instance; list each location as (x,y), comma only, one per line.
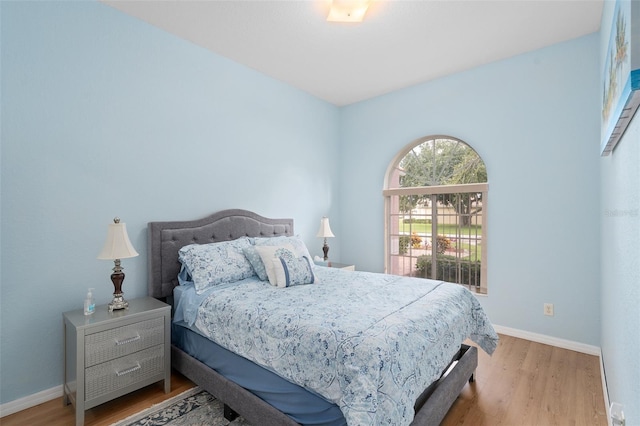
(166,238)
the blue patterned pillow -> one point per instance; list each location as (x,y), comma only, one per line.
(264,270)
(267,254)
(216,263)
(291,270)
(256,261)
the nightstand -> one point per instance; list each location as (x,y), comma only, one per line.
(330,264)
(109,354)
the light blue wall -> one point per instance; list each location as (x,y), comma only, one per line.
(620,254)
(534,119)
(104,115)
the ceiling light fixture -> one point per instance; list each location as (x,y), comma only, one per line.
(347,10)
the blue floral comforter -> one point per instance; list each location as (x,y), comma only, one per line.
(370,343)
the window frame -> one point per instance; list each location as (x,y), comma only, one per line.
(388,192)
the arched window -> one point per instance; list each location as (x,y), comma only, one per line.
(436,210)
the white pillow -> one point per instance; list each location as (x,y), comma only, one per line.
(294,243)
(267,254)
(300,248)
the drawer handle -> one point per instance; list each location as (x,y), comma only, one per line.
(128,370)
(128,340)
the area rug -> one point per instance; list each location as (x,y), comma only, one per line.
(195,407)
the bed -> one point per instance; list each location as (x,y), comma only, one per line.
(263,376)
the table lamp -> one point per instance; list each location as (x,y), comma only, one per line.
(115,248)
(325,232)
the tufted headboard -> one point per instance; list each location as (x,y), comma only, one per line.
(166,238)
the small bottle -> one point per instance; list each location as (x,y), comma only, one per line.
(89,303)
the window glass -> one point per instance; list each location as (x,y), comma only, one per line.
(436,207)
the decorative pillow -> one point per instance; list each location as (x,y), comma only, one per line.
(251,253)
(293,243)
(291,270)
(216,263)
(296,241)
(267,254)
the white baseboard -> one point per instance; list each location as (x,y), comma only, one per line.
(549,340)
(605,391)
(30,401)
(56,392)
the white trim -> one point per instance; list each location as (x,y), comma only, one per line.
(458,188)
(549,340)
(30,401)
(605,391)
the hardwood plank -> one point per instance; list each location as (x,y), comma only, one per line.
(528,383)
(531,385)
(495,383)
(523,383)
(590,408)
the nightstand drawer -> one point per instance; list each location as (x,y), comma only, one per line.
(119,373)
(110,344)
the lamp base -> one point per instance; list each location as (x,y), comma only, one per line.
(118,303)
(325,250)
(117,278)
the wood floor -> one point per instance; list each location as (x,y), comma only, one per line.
(523,383)
(54,413)
(527,383)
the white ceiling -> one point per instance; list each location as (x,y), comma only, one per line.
(400,42)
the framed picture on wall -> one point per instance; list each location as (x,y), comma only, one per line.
(621,74)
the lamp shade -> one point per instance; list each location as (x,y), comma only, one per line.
(325,229)
(117,245)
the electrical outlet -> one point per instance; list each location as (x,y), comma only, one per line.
(548,309)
